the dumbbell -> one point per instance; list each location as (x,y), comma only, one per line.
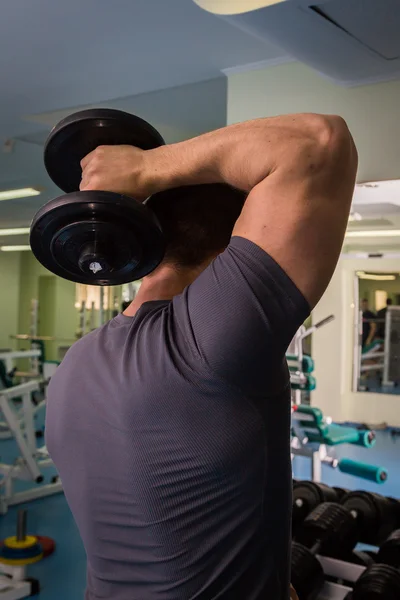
(340,492)
(329,529)
(307,495)
(376,515)
(95,237)
(382,580)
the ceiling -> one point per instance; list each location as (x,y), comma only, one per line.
(161,59)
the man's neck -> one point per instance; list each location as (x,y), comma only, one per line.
(165,283)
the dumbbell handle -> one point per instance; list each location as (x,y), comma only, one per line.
(315,549)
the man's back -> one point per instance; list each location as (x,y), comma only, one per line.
(172,439)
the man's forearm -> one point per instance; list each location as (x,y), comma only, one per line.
(241,155)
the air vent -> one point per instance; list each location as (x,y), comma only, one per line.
(372,23)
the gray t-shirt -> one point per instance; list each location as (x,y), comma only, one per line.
(170,431)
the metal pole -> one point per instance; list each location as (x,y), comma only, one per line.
(386,360)
(357,351)
(101,310)
(21,525)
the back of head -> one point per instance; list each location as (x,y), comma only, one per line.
(389,302)
(197,221)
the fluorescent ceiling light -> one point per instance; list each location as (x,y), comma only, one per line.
(234,7)
(374,277)
(15,231)
(374,233)
(14,248)
(20,193)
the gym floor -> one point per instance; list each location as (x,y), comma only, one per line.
(63,575)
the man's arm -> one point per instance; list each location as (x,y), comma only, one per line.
(299,171)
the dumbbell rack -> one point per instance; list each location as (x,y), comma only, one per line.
(341,570)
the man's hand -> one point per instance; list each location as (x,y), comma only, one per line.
(121,169)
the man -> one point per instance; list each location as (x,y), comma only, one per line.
(381,316)
(170,425)
(368,324)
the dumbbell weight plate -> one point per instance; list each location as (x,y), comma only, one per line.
(97,238)
(389,552)
(307,495)
(375,515)
(307,575)
(379,582)
(80,133)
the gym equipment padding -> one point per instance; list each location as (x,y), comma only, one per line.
(363,470)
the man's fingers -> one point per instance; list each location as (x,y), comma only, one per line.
(85,161)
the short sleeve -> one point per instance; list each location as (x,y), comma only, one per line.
(240,315)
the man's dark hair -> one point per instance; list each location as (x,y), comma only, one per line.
(389,302)
(197,221)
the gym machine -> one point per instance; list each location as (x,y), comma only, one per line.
(301,365)
(315,437)
(32,460)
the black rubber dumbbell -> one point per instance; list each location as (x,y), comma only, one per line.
(376,515)
(379,582)
(95,237)
(329,529)
(307,495)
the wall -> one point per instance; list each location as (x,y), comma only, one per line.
(9,296)
(372,115)
(371,111)
(333,351)
(59,318)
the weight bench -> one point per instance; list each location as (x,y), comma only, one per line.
(312,435)
(28,465)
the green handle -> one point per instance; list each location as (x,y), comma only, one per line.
(363,470)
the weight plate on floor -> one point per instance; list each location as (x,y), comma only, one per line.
(80,133)
(12,542)
(97,238)
(48,545)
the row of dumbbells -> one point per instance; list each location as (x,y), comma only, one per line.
(330,522)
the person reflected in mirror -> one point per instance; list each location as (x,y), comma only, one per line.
(368,324)
(381,314)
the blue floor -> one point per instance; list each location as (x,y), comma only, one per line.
(62,576)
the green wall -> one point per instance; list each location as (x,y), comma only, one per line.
(57,312)
(9,296)
(23,279)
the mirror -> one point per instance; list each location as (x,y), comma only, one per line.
(377,332)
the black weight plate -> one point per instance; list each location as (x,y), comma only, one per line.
(331,526)
(379,582)
(389,552)
(117,232)
(307,495)
(307,575)
(375,515)
(82,132)
(340,492)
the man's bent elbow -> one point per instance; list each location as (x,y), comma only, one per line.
(334,143)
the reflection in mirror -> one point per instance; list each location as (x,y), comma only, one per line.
(377,333)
